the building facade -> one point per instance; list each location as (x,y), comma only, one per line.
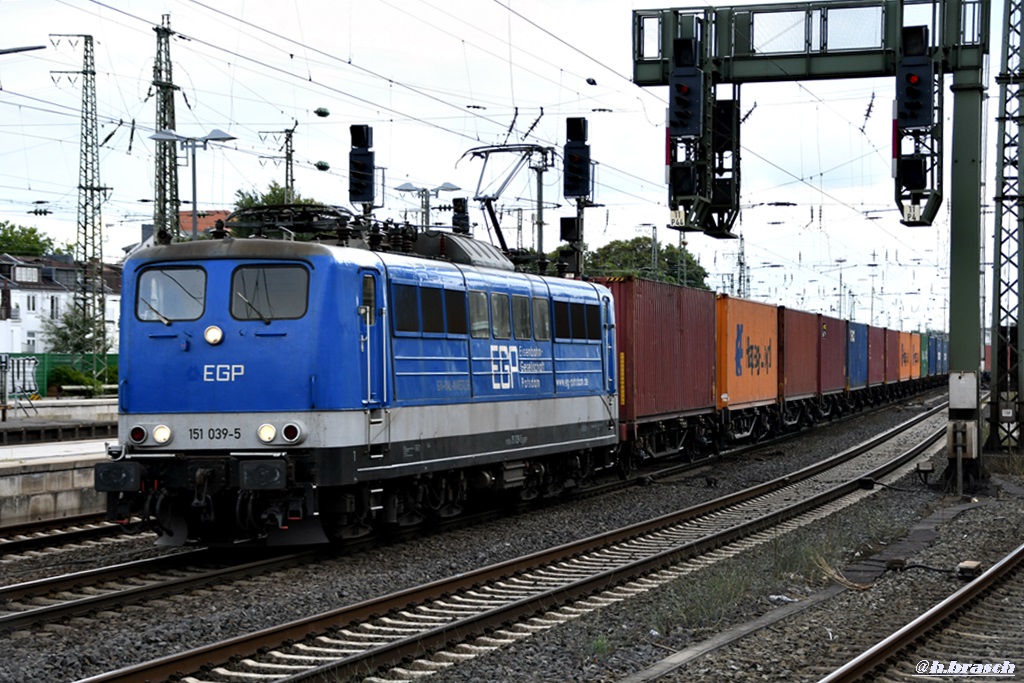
(34,289)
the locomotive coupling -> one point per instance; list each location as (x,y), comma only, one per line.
(117,476)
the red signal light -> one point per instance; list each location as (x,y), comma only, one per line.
(913,79)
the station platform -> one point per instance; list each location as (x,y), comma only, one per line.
(59,420)
(53,479)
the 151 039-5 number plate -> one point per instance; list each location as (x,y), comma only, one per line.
(214,433)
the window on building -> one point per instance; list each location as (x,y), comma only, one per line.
(26,274)
(54,308)
(30,303)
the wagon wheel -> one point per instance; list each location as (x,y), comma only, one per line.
(627,462)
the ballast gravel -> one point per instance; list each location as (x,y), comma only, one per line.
(604,646)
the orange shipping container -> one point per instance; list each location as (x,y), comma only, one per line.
(905,355)
(915,355)
(747,370)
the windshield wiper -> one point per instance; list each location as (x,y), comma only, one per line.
(157,313)
(255,310)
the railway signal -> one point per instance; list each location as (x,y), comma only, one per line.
(686,102)
(460,215)
(576,174)
(914,83)
(361,167)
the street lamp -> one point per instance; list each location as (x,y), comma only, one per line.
(424,195)
(215,135)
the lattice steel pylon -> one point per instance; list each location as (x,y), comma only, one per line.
(289,165)
(90,296)
(1007,370)
(166,207)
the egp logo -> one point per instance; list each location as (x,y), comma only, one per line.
(504,365)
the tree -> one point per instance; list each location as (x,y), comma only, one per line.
(73,333)
(273,196)
(19,240)
(669,263)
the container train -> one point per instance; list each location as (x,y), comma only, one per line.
(291,392)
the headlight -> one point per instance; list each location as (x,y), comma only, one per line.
(161,434)
(213,335)
(266,432)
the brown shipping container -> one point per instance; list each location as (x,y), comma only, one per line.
(798,354)
(876,355)
(832,355)
(892,356)
(905,355)
(915,355)
(666,347)
(747,347)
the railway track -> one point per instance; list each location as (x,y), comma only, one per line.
(27,604)
(450,617)
(50,533)
(978,625)
(110,588)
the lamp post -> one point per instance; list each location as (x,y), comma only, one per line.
(215,135)
(425,194)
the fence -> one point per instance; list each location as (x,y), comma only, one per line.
(28,374)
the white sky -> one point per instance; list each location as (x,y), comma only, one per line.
(435,78)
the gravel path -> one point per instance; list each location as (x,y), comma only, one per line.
(601,647)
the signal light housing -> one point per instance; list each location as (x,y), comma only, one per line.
(360,176)
(686,102)
(361,168)
(576,174)
(915,78)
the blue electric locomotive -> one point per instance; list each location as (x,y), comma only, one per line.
(297,392)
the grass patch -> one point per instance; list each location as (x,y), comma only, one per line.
(790,564)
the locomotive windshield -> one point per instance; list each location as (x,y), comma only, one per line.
(167,294)
(269,292)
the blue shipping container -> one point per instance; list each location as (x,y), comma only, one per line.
(856,355)
(933,356)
